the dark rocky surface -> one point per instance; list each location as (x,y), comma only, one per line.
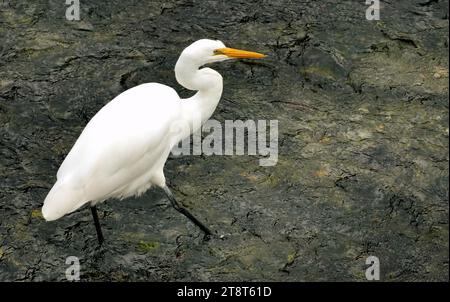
(363,140)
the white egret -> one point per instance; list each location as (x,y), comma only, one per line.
(123,149)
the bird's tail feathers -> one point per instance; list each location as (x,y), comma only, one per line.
(62,199)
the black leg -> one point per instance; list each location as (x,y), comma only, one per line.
(185,212)
(97,224)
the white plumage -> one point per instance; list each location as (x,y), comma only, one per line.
(123,149)
(120,153)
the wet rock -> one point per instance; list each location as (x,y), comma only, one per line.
(363,144)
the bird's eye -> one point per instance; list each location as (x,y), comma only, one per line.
(217,52)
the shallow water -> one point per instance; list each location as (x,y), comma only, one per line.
(363,141)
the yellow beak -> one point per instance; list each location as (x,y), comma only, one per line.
(238,54)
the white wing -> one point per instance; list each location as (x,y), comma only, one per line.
(109,152)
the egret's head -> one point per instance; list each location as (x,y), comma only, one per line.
(208,51)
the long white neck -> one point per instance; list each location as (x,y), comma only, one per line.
(207,82)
